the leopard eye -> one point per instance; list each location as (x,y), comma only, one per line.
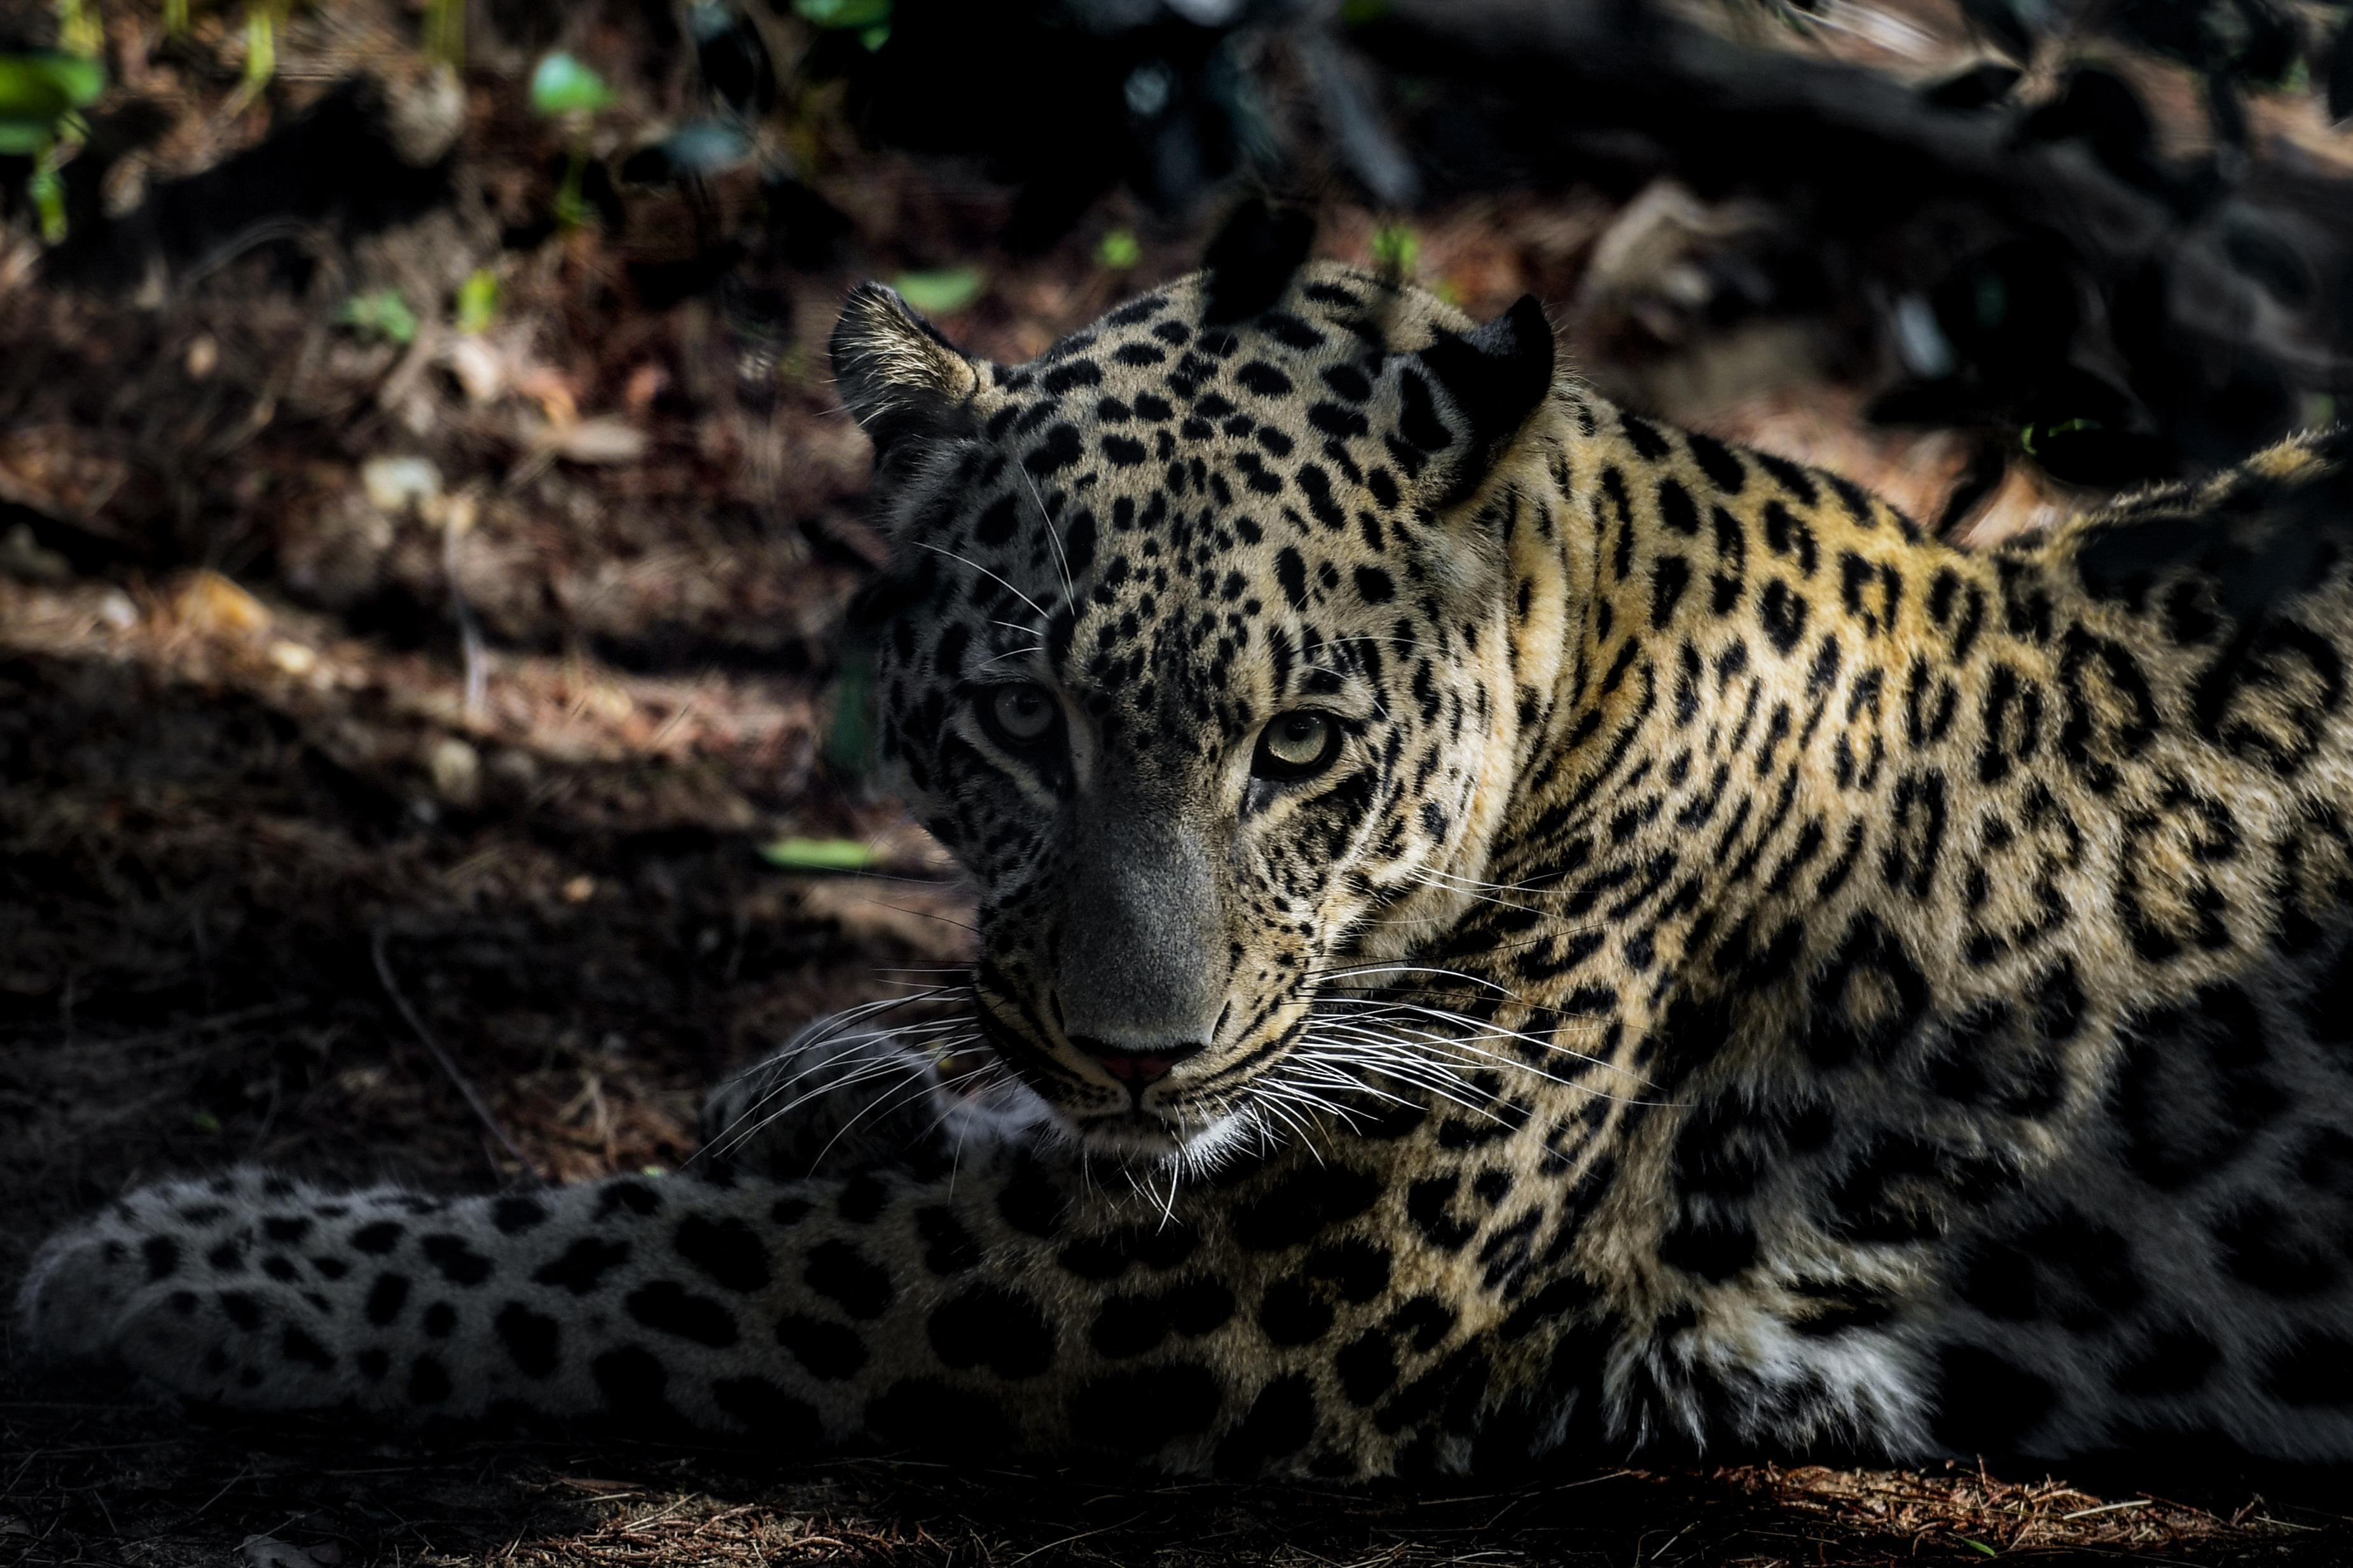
(1295,745)
(1018,717)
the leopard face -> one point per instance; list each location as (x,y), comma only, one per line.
(1194,653)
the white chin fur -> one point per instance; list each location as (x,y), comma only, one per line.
(1154,1146)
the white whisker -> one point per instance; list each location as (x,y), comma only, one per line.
(940,550)
(1054,537)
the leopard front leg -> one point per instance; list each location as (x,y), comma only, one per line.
(785,1311)
(1275,1324)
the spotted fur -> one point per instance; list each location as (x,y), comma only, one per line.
(1737,971)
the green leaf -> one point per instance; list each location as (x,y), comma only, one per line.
(204,1121)
(571,212)
(382,314)
(937,293)
(45,85)
(562,85)
(478,300)
(261,46)
(49,194)
(819,855)
(859,14)
(79,32)
(262,20)
(37,92)
(1397,248)
(1119,251)
(83,79)
(2028,436)
(445,31)
(1980,1546)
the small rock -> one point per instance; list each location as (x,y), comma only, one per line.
(124,185)
(457,770)
(425,117)
(269,1552)
(396,484)
(292,657)
(481,369)
(515,766)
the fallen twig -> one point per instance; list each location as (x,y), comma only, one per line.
(448,1064)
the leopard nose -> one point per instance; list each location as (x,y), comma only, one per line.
(1135,1066)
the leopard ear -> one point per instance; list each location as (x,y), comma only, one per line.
(1461,400)
(896,373)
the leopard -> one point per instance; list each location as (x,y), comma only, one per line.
(1506,928)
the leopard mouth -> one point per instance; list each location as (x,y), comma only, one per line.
(1130,1134)
(1147,1125)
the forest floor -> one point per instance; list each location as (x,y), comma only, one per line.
(369,689)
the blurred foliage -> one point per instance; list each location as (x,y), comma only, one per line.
(1397,248)
(478,300)
(820,854)
(561,85)
(79,32)
(262,18)
(2020,323)
(2238,45)
(869,20)
(939,292)
(382,313)
(38,94)
(1118,250)
(445,32)
(565,89)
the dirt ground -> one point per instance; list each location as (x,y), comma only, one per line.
(387,715)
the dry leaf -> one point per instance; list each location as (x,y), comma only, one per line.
(602,440)
(209,602)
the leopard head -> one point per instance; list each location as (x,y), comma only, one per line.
(1192,650)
